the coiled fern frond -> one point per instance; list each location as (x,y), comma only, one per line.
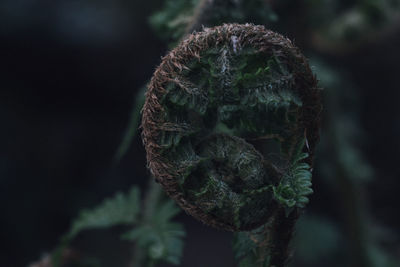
(230,124)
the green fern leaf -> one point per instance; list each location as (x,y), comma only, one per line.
(295,186)
(121,209)
(161,238)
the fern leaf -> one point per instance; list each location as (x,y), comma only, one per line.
(295,186)
(159,237)
(121,209)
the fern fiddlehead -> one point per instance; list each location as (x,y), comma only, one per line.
(230,123)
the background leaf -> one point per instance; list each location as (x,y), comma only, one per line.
(121,209)
(159,237)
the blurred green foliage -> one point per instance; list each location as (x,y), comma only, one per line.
(175,18)
(121,209)
(156,234)
(161,237)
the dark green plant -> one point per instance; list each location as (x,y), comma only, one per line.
(230,124)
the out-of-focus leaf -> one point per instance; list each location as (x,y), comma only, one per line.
(343,129)
(316,239)
(159,237)
(380,258)
(173,20)
(121,209)
(133,125)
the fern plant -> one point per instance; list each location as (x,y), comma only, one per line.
(230,124)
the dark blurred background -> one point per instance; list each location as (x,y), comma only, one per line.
(69,74)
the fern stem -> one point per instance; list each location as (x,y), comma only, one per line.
(282,232)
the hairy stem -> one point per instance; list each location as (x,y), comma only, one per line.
(282,232)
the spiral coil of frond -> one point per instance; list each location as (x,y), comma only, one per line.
(230,125)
